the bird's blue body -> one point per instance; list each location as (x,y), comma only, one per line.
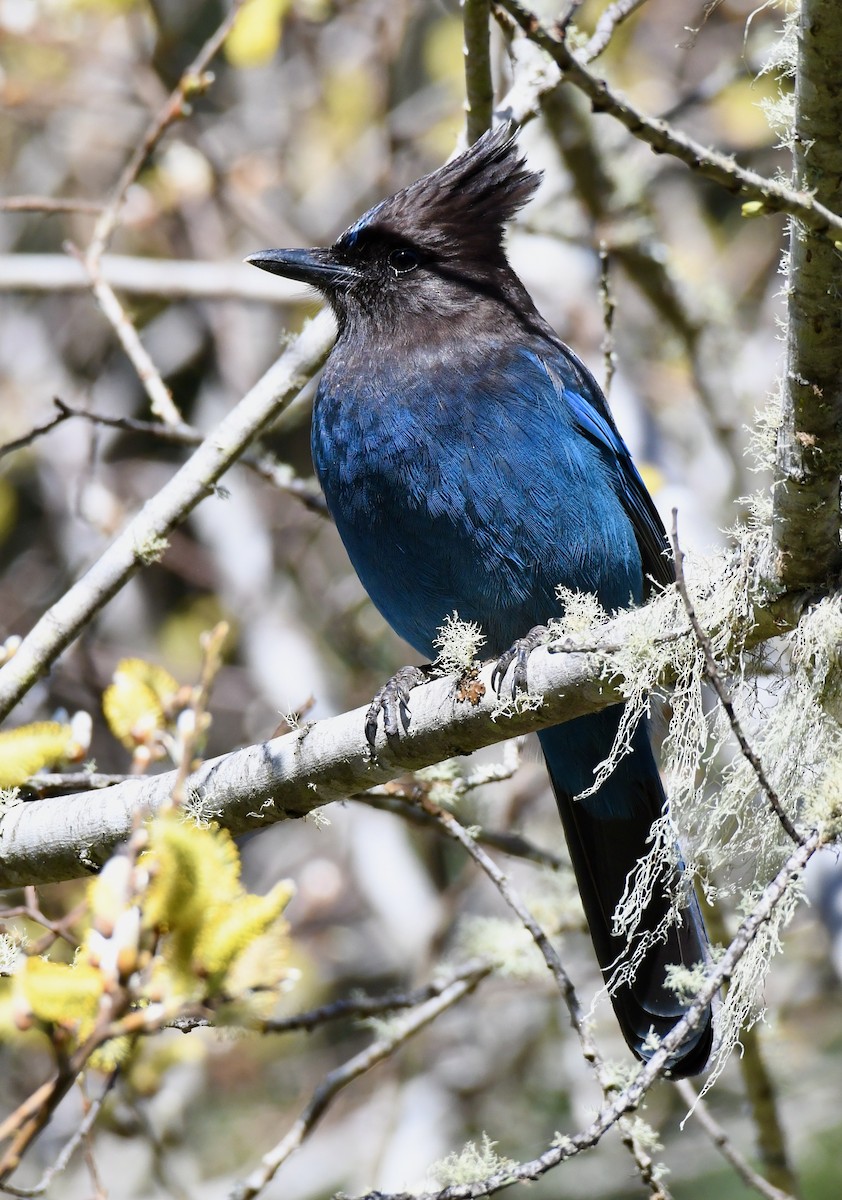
(471,465)
(452,476)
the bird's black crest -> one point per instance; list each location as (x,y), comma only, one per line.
(463,206)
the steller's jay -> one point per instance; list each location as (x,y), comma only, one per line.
(471,464)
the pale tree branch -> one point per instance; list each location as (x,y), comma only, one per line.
(142,540)
(49,204)
(606,26)
(63,837)
(160,397)
(175,279)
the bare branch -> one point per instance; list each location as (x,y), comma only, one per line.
(49,204)
(339,1078)
(173,278)
(34,433)
(512,844)
(142,540)
(281,475)
(159,394)
(609,308)
(607,25)
(359,1007)
(774,196)
(726,1147)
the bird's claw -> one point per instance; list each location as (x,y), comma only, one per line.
(518,654)
(393,701)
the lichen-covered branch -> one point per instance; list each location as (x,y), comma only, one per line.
(805,531)
(62,837)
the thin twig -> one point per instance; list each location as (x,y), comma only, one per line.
(479,84)
(31,911)
(772,194)
(281,475)
(512,844)
(159,394)
(34,434)
(726,1147)
(339,1078)
(358,1007)
(643,1160)
(49,204)
(194,80)
(607,25)
(347,1007)
(718,684)
(172,278)
(609,308)
(212,643)
(68,1150)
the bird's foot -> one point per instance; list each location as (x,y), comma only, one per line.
(393,701)
(518,654)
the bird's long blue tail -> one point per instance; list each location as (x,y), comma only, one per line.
(607,834)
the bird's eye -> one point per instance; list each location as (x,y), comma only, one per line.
(403,260)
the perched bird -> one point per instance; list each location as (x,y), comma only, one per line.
(471,464)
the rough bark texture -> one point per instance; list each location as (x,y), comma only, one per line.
(809,455)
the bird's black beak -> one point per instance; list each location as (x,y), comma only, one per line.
(320,268)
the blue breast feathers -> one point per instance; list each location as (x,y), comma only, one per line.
(472,489)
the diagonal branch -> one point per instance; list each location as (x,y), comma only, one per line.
(630,1097)
(142,540)
(194,79)
(404,1028)
(664,139)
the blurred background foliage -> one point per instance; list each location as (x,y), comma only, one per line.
(318,109)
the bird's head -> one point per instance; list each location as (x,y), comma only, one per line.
(430,249)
